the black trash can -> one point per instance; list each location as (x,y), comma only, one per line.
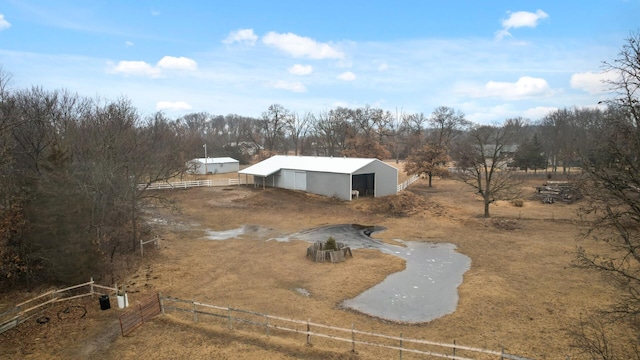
(104,302)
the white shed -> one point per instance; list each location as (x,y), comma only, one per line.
(329,176)
(217,165)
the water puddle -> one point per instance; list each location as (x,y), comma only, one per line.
(427,289)
(253,230)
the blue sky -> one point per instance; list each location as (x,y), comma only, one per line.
(492,60)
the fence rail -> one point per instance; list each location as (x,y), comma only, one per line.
(408,182)
(157,304)
(29,308)
(270,322)
(190,184)
(228,182)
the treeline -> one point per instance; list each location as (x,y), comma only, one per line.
(69,167)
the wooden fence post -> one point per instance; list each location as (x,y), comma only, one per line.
(161,301)
(308,330)
(400,346)
(91,286)
(195,312)
(454,347)
(141,249)
(353,338)
(229,313)
(266,323)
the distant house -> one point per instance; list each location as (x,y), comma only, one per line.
(504,155)
(244,147)
(329,176)
(213,165)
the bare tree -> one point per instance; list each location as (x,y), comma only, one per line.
(414,127)
(297,128)
(613,193)
(330,130)
(274,123)
(481,163)
(446,124)
(370,128)
(431,159)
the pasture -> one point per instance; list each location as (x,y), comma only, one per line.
(521,292)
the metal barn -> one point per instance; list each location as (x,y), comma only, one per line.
(329,176)
(217,165)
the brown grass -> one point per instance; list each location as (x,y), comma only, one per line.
(521,292)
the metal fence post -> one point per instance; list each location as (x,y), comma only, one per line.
(353,338)
(229,313)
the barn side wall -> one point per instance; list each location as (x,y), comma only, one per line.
(221,168)
(329,184)
(386,177)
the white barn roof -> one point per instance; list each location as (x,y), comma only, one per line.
(307,163)
(216,160)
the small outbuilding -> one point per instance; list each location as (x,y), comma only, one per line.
(343,178)
(218,165)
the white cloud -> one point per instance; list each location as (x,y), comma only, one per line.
(520,19)
(135,68)
(299,46)
(177,63)
(592,83)
(4,24)
(155,13)
(242,36)
(172,105)
(383,67)
(298,69)
(128,43)
(291,86)
(142,68)
(347,76)
(525,87)
(538,112)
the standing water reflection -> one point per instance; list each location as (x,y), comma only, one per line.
(427,289)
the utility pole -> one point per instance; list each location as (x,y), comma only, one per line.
(206,159)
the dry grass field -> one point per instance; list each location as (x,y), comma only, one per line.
(521,292)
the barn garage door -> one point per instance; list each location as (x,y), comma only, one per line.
(295,180)
(364,183)
(301,180)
